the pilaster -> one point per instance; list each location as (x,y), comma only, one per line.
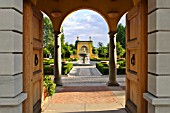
(158,95)
(11,53)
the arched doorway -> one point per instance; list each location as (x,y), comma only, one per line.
(111,12)
(85,29)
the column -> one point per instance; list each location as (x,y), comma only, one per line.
(112,61)
(158,95)
(57,59)
(11,53)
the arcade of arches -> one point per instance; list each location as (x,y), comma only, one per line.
(21,45)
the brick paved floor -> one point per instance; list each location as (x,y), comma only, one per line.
(84,94)
(87,94)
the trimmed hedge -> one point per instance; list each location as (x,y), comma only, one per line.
(121,71)
(48,62)
(66,68)
(99,59)
(70,59)
(48,70)
(95,59)
(122,63)
(103,68)
(122,66)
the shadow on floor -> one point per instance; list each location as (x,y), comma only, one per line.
(108,111)
(83,89)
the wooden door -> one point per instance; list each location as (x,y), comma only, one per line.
(136,55)
(33,57)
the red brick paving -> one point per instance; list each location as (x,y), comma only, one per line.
(84,94)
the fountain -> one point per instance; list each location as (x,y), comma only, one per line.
(84,57)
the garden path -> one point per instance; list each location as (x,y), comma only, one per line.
(85,90)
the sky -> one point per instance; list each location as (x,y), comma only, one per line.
(85,24)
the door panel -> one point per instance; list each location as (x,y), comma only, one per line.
(136,56)
(36,91)
(133,92)
(33,57)
(133,30)
(36,27)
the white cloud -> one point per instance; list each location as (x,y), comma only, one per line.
(86,23)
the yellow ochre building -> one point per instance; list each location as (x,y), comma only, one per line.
(84,48)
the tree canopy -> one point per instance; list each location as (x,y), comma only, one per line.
(121,35)
(103,51)
(48,37)
(120,50)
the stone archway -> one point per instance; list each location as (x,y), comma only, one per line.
(11,49)
(11,27)
(57,12)
(111,15)
(60,9)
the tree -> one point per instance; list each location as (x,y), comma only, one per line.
(100,47)
(120,50)
(104,51)
(50,47)
(74,51)
(95,51)
(121,35)
(72,46)
(46,52)
(62,37)
(107,50)
(48,32)
(67,50)
(48,36)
